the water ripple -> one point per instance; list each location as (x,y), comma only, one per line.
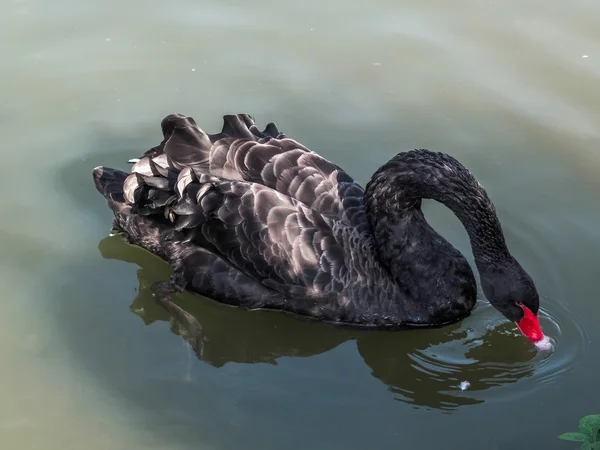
(489,353)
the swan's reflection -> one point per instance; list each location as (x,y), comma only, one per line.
(421,367)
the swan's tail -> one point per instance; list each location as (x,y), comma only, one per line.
(139,229)
(109,182)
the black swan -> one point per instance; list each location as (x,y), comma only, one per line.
(255,219)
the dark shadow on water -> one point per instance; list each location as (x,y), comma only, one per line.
(421,367)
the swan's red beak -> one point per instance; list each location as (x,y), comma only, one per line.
(530,327)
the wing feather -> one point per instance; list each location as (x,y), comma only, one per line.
(242,152)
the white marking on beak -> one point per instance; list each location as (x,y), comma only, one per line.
(544,344)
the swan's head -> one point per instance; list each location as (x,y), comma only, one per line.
(512,292)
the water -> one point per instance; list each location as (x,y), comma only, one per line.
(89,360)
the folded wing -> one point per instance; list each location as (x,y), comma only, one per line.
(269,236)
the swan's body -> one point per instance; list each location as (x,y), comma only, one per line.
(256,219)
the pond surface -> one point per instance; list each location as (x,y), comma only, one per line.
(89,360)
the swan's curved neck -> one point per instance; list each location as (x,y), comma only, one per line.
(393,200)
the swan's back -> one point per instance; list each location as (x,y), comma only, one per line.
(242,152)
